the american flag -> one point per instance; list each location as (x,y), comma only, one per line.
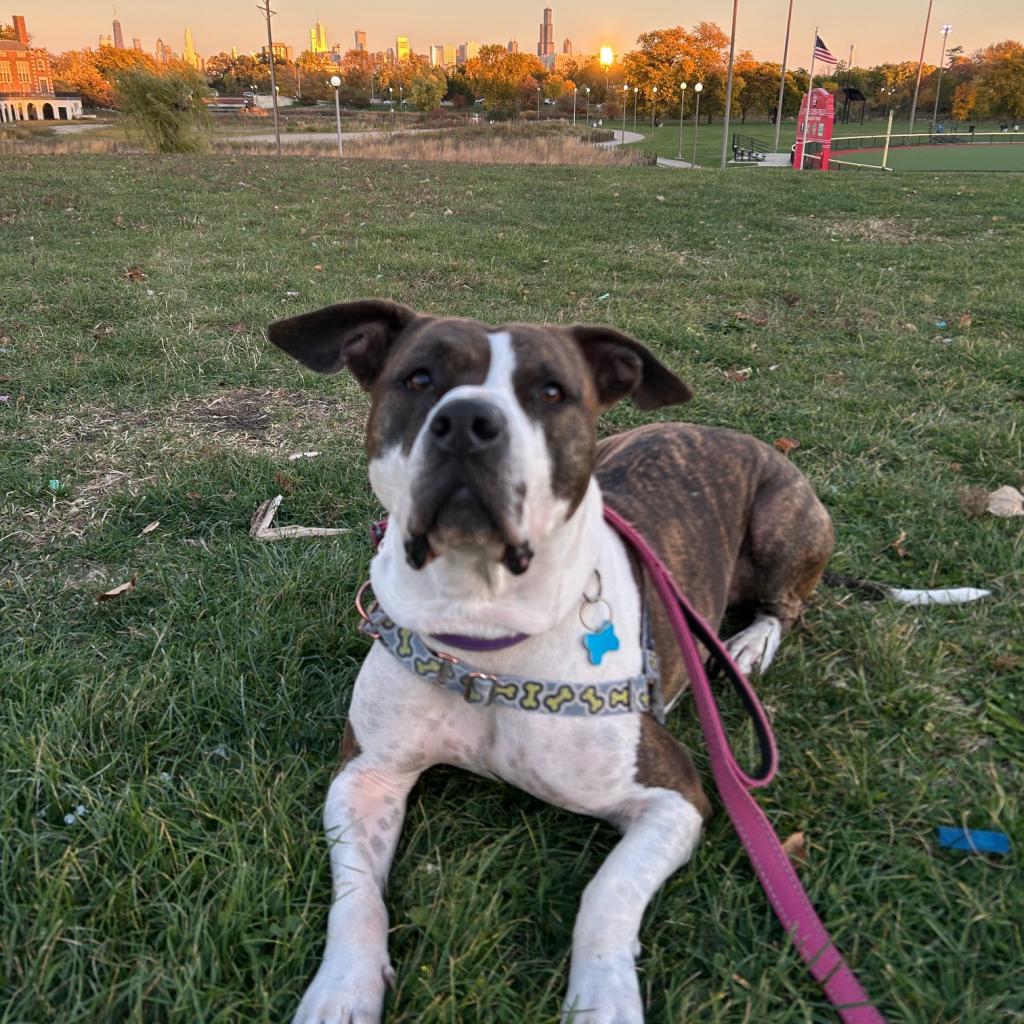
(822,53)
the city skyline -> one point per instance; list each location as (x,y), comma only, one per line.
(892,34)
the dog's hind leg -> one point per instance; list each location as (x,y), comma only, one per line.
(363,818)
(788,543)
(661,827)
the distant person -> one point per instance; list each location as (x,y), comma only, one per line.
(971,129)
(1003,126)
(1016,126)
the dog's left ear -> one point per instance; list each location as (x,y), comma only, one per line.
(621,366)
(356,335)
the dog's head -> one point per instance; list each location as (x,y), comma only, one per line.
(477,437)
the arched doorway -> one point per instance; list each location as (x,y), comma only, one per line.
(33,114)
(48,112)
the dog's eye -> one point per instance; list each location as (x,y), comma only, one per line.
(552,393)
(418,380)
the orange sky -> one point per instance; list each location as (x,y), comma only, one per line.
(881,29)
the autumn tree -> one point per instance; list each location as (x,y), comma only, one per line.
(501,77)
(428,88)
(1001,79)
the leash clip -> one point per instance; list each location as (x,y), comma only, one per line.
(470,690)
(367,626)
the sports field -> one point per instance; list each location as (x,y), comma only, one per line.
(165,753)
(988,157)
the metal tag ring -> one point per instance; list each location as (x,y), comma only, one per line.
(600,602)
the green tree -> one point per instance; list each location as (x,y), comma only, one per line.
(501,77)
(428,88)
(166,110)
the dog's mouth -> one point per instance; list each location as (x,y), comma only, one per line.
(456,510)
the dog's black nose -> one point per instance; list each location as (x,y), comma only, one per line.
(467,426)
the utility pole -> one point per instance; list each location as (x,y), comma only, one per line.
(268,13)
(849,72)
(920,65)
(728,85)
(782,81)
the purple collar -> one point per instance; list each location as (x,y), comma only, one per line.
(475,643)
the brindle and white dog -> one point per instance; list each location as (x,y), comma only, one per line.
(482,447)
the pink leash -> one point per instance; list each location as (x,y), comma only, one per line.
(781,884)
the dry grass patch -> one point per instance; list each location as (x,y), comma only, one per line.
(873,229)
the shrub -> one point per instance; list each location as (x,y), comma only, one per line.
(165,110)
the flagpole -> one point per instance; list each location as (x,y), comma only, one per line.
(810,87)
(782,81)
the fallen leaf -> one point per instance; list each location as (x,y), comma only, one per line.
(660,199)
(790,298)
(1006,502)
(302,455)
(965,320)
(134,274)
(318,267)
(149,528)
(1007,662)
(112,595)
(785,444)
(956,467)
(910,328)
(285,484)
(897,544)
(758,319)
(4,379)
(102,331)
(737,375)
(237,328)
(795,848)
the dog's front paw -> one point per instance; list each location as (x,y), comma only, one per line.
(346,993)
(603,989)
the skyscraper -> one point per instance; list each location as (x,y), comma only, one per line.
(513,46)
(360,41)
(402,50)
(105,41)
(118,35)
(189,53)
(450,55)
(436,55)
(546,43)
(318,38)
(567,45)
(136,43)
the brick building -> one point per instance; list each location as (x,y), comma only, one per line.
(26,82)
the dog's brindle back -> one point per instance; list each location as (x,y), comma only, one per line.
(735,522)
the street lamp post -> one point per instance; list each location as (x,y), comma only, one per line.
(575,89)
(336,82)
(654,106)
(586,89)
(401,96)
(625,101)
(538,104)
(946,29)
(698,89)
(636,89)
(391,101)
(682,100)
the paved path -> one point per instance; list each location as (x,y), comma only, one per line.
(327,138)
(663,161)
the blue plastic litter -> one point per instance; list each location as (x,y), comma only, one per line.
(976,840)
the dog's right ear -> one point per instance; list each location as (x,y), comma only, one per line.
(357,335)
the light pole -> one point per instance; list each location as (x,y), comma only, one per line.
(401,96)
(391,102)
(698,89)
(336,82)
(728,86)
(538,104)
(920,65)
(575,89)
(636,89)
(586,89)
(654,106)
(887,93)
(625,102)
(946,29)
(682,100)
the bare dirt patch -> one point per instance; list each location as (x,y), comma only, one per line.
(872,229)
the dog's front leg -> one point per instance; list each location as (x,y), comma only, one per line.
(661,830)
(362,817)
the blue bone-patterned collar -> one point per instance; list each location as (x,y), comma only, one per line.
(611,697)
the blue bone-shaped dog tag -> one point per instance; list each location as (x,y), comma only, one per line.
(600,642)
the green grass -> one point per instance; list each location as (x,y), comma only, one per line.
(993,157)
(196,719)
(665,140)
